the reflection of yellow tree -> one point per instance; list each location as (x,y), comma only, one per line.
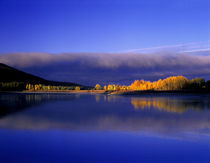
(163,104)
(97,98)
(141,104)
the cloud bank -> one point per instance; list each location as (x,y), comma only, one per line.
(90,68)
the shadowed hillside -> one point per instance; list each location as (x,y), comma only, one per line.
(12,75)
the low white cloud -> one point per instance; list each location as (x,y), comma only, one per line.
(109,60)
(102,67)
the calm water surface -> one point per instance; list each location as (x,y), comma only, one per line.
(101,128)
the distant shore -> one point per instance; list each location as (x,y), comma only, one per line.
(65,91)
(57,91)
(130,92)
(141,92)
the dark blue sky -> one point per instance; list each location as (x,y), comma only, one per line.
(106,41)
(100,25)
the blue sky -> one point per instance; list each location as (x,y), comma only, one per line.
(106,41)
(57,26)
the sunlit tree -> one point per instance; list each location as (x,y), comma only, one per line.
(97,87)
(77,88)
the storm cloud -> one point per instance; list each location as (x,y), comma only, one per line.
(90,68)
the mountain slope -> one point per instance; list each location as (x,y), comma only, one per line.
(10,74)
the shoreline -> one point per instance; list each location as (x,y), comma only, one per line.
(67,91)
(58,91)
(124,93)
(142,92)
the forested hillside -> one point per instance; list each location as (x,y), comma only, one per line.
(13,79)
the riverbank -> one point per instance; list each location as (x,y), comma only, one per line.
(128,92)
(65,91)
(141,92)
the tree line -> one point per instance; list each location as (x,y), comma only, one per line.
(20,86)
(170,83)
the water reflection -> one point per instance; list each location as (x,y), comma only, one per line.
(14,102)
(169,104)
(101,112)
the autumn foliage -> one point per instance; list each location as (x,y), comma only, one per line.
(170,83)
